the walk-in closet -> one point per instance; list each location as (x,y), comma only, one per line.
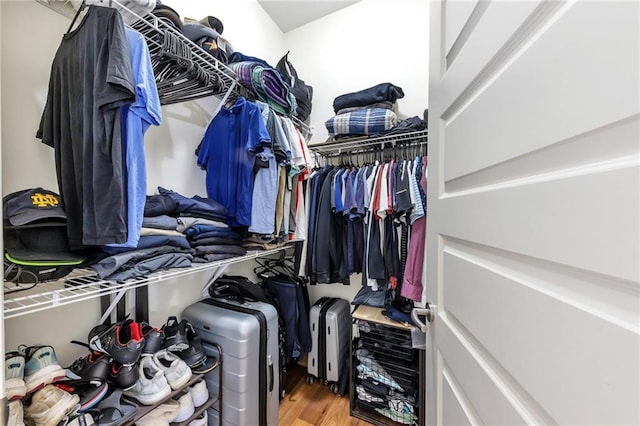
(361,212)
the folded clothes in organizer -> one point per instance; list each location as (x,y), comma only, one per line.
(404,418)
(364,395)
(369,367)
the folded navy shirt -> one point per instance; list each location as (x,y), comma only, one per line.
(379,93)
(196,206)
(395,314)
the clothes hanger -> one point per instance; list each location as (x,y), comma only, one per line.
(75,17)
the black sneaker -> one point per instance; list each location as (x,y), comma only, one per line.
(153,338)
(94,366)
(124,376)
(122,341)
(175,335)
(194,356)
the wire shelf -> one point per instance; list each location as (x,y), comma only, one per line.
(361,144)
(222,81)
(83,284)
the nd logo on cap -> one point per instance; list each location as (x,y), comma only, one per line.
(43,200)
(33,206)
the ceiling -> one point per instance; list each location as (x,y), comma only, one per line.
(289,15)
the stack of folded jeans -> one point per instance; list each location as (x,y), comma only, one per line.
(212,243)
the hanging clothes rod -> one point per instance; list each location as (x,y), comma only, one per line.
(357,145)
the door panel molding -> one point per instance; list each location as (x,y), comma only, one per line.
(560,75)
(535,20)
(611,146)
(456,409)
(493,393)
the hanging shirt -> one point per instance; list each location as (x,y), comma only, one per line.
(90,80)
(265,190)
(227,153)
(137,118)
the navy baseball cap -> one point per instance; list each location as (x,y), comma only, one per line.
(33,206)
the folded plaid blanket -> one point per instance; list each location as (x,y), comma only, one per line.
(362,122)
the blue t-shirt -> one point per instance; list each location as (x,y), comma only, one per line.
(228,152)
(136,119)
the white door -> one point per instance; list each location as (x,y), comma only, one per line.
(533,213)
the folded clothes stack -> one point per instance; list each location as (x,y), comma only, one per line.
(266,81)
(365,112)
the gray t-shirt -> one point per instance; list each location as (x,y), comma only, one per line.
(90,79)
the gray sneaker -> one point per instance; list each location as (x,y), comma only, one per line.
(152,386)
(14,386)
(41,367)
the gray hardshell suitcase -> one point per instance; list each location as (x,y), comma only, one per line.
(248,335)
(330,321)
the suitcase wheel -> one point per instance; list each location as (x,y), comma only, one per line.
(335,388)
(309,379)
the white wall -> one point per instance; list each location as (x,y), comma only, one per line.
(370,42)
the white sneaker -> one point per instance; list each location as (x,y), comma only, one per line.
(152,386)
(50,405)
(201,420)
(199,393)
(15,414)
(186,408)
(175,369)
(84,419)
(152,421)
(167,410)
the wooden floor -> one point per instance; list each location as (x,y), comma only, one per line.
(315,404)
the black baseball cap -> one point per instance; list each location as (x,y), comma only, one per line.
(168,15)
(32,207)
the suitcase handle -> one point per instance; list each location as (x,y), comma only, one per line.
(271,379)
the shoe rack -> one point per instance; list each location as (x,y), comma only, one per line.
(211,402)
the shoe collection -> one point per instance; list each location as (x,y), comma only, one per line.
(128,364)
